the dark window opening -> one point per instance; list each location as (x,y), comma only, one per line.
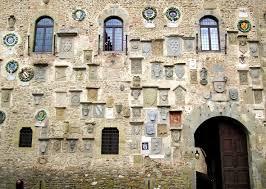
(113,34)
(43,41)
(209,34)
(25,137)
(110,141)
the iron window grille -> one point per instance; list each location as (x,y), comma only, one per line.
(209,34)
(110,141)
(113,34)
(43,40)
(25,137)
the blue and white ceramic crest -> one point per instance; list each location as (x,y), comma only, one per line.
(10,39)
(12,66)
(79,15)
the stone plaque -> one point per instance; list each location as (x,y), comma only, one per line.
(255,74)
(136,66)
(189,45)
(86,110)
(162,130)
(149,97)
(37,98)
(136,129)
(60,73)
(157,47)
(203,76)
(156,71)
(163,114)
(254,49)
(243,44)
(180,71)
(93,69)
(72,146)
(60,113)
(146,49)
(40,73)
(163,96)
(193,77)
(87,146)
(136,113)
(99,111)
(152,116)
(150,129)
(156,145)
(136,81)
(176,136)
(61,99)
(79,74)
(5,97)
(75,98)
(175,118)
(135,47)
(174,46)
(92,94)
(219,82)
(248,96)
(43,147)
(87,56)
(169,72)
(233,93)
(232,38)
(66,48)
(109,113)
(135,93)
(57,145)
(243,77)
(180,95)
(258,96)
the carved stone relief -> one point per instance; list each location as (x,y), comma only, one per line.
(136,81)
(57,145)
(86,110)
(156,70)
(60,113)
(60,73)
(11,23)
(254,49)
(136,66)
(87,56)
(169,72)
(92,94)
(243,44)
(135,47)
(157,47)
(93,72)
(150,129)
(163,96)
(232,38)
(66,49)
(174,46)
(87,146)
(248,97)
(164,111)
(136,129)
(43,147)
(204,76)
(5,97)
(255,74)
(149,97)
(258,96)
(135,93)
(156,145)
(75,98)
(136,113)
(180,95)
(146,48)
(99,111)
(233,93)
(219,82)
(175,119)
(189,45)
(72,146)
(79,74)
(40,73)
(44,132)
(152,116)
(162,130)
(243,77)
(176,136)
(126,111)
(193,77)
(180,71)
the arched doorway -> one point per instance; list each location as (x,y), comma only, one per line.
(224,142)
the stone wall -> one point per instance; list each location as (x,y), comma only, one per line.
(158,91)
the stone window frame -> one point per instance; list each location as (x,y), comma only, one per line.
(113,11)
(110,141)
(25,137)
(209,34)
(43,39)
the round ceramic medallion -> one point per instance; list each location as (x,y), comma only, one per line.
(10,39)
(2,117)
(12,66)
(41,115)
(244,26)
(172,14)
(149,13)
(79,15)
(26,74)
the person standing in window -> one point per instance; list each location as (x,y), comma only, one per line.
(113,34)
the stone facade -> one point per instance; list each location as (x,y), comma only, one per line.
(156,92)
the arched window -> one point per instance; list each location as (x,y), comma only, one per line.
(113,34)
(43,41)
(110,141)
(209,34)
(25,137)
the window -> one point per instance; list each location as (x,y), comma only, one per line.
(110,141)
(209,34)
(113,34)
(43,41)
(25,137)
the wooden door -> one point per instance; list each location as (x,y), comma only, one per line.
(234,157)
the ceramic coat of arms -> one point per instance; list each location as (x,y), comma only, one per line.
(2,117)
(79,15)
(12,66)
(26,74)
(244,26)
(149,13)
(172,14)
(10,39)
(41,115)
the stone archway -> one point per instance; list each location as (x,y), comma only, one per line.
(224,142)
